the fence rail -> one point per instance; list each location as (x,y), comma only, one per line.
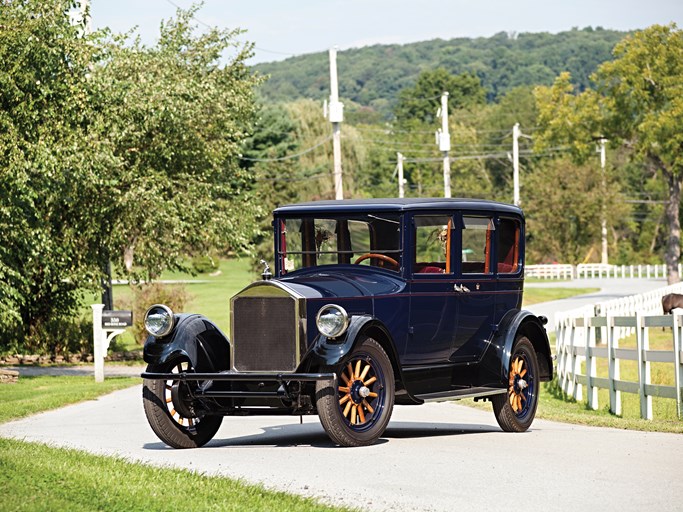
(593,332)
(597,270)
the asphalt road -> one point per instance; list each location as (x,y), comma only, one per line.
(437,456)
(609,289)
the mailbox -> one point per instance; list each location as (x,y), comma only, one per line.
(116,319)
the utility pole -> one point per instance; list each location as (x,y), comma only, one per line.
(603,220)
(401,181)
(335,114)
(443,139)
(515,163)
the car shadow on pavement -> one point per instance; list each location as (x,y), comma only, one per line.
(312,434)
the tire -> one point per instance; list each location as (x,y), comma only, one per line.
(515,411)
(358,411)
(162,403)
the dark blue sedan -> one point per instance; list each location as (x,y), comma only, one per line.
(370,303)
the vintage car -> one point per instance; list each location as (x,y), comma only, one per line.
(372,303)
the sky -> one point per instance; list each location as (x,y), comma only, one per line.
(281,29)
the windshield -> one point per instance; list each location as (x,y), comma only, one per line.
(362,239)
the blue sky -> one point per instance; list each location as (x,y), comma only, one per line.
(285,28)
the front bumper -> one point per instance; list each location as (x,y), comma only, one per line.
(283,379)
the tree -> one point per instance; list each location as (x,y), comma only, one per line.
(174,119)
(638,103)
(421,101)
(110,150)
(51,224)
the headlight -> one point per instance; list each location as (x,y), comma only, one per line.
(332,321)
(159,320)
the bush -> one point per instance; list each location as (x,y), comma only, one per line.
(205,264)
(175,297)
(60,336)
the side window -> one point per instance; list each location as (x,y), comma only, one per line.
(433,235)
(508,246)
(477,234)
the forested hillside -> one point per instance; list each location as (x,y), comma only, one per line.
(373,76)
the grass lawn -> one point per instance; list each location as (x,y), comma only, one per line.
(538,295)
(35,477)
(31,395)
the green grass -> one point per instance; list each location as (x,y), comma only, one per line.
(537,295)
(554,405)
(210,295)
(31,395)
(35,477)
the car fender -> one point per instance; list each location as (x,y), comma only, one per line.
(195,338)
(328,352)
(527,324)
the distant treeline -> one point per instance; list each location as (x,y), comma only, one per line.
(372,77)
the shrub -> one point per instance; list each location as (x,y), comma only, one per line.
(175,297)
(205,264)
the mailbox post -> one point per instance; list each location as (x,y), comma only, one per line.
(106,325)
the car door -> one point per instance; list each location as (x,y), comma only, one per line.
(475,285)
(433,315)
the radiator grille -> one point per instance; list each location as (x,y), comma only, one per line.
(265,334)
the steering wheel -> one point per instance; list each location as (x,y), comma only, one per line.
(376,256)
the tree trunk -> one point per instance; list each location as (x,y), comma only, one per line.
(673,245)
(128,253)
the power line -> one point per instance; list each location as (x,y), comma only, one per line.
(213,27)
(288,157)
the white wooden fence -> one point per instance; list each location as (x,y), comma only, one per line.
(594,332)
(597,270)
(557,271)
(589,270)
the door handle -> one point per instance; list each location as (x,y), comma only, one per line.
(461,288)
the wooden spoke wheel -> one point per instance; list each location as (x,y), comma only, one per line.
(357,411)
(516,409)
(169,410)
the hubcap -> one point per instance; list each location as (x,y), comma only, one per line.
(519,391)
(174,393)
(360,393)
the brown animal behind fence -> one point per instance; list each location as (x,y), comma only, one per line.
(671,301)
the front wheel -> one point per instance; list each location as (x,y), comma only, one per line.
(356,412)
(516,409)
(169,411)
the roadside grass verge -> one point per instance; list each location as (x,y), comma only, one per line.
(36,477)
(31,395)
(556,405)
(538,295)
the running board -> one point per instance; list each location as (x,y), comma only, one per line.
(457,394)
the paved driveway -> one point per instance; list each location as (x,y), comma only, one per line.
(438,456)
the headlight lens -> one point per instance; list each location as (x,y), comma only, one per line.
(159,320)
(332,321)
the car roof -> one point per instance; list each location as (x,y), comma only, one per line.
(397,205)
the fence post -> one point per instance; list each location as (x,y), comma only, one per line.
(576,367)
(613,368)
(591,391)
(568,384)
(678,369)
(643,343)
(98,336)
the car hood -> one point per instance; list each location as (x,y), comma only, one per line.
(343,281)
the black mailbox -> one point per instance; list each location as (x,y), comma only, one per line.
(116,319)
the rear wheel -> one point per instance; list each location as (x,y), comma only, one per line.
(357,411)
(170,413)
(516,409)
